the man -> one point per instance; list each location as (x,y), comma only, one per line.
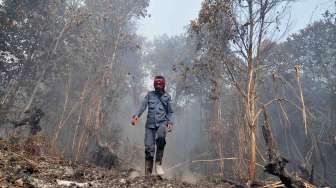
(159,122)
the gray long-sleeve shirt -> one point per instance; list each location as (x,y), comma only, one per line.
(159,113)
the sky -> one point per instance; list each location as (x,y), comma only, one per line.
(172,16)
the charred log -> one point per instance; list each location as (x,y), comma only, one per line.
(104,157)
(277,163)
(32,119)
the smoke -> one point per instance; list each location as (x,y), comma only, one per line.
(89,71)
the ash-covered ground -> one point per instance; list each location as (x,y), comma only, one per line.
(18,168)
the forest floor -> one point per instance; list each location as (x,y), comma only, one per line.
(21,169)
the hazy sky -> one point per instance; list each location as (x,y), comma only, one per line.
(172,16)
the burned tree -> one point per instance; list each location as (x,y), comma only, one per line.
(33,120)
(277,163)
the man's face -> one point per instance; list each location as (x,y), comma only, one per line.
(159,83)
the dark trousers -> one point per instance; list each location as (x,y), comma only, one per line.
(155,137)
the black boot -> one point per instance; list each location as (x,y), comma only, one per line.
(148,167)
(160,146)
(159,156)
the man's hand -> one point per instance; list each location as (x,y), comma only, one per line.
(169,127)
(135,120)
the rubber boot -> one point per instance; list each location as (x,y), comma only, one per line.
(148,167)
(159,156)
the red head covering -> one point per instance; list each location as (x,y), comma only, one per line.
(159,82)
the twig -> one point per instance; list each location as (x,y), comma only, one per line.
(221,159)
(213,160)
(274,185)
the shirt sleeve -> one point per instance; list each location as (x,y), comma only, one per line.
(170,114)
(143,106)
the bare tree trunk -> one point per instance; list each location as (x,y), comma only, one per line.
(304,114)
(250,103)
(82,97)
(217,126)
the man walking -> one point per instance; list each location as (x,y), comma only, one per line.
(159,122)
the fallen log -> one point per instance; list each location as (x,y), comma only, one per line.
(277,163)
